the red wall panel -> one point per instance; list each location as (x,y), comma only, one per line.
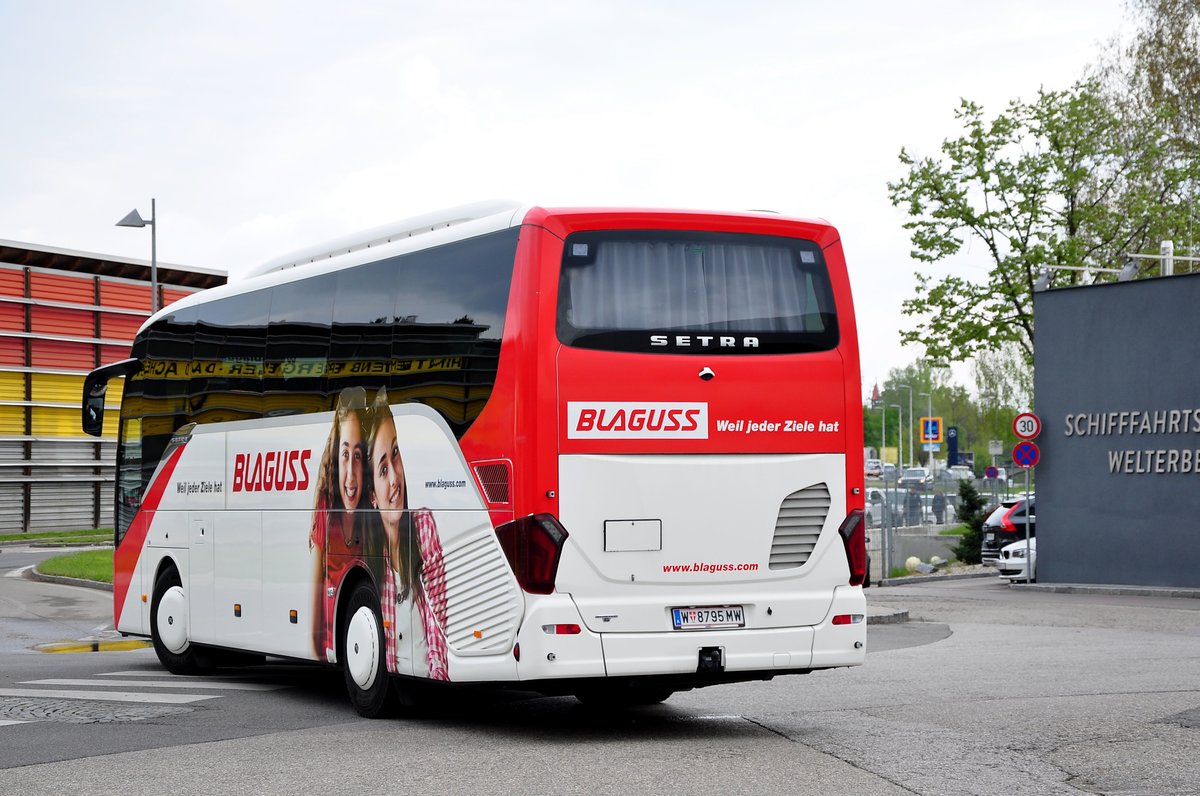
(170,295)
(12,283)
(12,351)
(53,287)
(113,353)
(125,295)
(119,327)
(58,320)
(12,317)
(58,354)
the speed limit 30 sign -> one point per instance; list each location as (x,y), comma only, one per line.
(1027,425)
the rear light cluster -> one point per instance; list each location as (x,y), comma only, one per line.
(533,546)
(854,537)
(1006,523)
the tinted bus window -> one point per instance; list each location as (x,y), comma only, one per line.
(695,293)
(298,347)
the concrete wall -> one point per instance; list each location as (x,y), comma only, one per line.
(1117,381)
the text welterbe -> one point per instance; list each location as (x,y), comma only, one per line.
(271,471)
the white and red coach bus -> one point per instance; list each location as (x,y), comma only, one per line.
(609,453)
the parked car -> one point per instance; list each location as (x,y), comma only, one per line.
(873,468)
(889,473)
(1013,564)
(957,473)
(1005,525)
(916,478)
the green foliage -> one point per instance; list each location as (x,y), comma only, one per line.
(1064,180)
(970,512)
(86,565)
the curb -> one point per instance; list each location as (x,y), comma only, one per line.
(891,618)
(1121,591)
(931,578)
(124,645)
(33,574)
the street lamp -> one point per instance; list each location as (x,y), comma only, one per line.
(930,414)
(134,219)
(910,421)
(890,501)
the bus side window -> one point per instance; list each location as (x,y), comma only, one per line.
(298,347)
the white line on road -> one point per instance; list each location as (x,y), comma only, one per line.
(105,696)
(231,686)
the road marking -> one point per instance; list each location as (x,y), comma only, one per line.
(16,573)
(230,686)
(4,722)
(105,696)
(180,677)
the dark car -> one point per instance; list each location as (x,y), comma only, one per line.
(1005,525)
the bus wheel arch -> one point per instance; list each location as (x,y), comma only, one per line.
(364,658)
(168,622)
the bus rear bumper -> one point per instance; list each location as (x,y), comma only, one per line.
(585,654)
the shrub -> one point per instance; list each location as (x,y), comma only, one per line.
(970,512)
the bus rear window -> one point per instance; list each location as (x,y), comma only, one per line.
(694,292)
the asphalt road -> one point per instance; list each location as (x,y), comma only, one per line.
(989,690)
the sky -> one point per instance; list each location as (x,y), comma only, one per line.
(261,128)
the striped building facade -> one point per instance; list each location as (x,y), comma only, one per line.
(63,313)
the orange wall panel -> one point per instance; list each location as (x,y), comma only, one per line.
(53,287)
(119,327)
(59,320)
(59,354)
(171,295)
(12,351)
(113,353)
(125,295)
(12,282)
(12,317)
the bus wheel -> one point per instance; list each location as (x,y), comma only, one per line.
(168,625)
(364,662)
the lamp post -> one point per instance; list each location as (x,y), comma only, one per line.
(929,457)
(134,219)
(888,533)
(910,421)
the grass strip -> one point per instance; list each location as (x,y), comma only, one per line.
(85,565)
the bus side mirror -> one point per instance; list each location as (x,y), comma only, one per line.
(93,409)
(95,387)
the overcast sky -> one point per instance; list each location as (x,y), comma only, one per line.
(262,127)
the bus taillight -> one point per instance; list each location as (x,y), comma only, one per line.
(533,545)
(854,537)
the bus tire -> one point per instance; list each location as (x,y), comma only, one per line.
(168,625)
(365,659)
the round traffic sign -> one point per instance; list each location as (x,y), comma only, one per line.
(1027,425)
(991,472)
(1025,454)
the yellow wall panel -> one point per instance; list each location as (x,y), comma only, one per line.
(12,420)
(56,388)
(12,386)
(49,422)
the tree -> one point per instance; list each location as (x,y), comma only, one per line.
(1059,181)
(1157,70)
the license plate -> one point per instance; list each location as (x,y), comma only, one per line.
(704,617)
(989,537)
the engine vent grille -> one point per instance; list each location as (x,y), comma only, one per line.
(494,477)
(483,601)
(798,526)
